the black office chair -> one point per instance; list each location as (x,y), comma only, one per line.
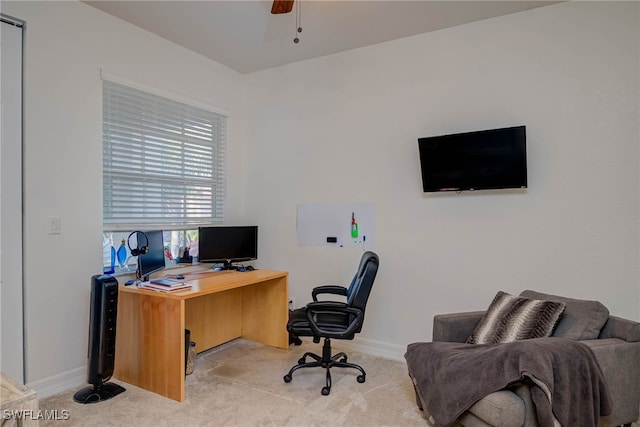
(333,319)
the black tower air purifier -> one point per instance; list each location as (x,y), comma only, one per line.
(102,341)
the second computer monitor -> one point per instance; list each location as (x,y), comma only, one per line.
(153,259)
(227,244)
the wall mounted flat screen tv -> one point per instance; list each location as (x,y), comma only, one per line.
(481,160)
(228,244)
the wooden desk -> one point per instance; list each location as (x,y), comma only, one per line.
(220,307)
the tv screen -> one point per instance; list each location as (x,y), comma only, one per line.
(227,244)
(153,260)
(481,160)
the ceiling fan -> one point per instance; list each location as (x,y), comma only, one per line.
(286,6)
(281,6)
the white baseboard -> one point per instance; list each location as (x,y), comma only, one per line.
(374,348)
(75,378)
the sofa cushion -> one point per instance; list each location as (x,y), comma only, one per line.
(500,408)
(581,320)
(511,318)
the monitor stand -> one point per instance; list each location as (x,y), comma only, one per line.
(143,279)
(228,265)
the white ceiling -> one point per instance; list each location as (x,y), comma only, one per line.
(245,36)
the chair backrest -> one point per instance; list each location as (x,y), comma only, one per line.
(360,287)
(359,272)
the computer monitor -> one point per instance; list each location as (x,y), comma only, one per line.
(153,259)
(228,244)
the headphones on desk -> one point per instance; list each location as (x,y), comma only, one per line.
(138,250)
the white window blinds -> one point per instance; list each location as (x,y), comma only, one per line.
(163,161)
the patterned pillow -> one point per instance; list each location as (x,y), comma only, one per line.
(510,318)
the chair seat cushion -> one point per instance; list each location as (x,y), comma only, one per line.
(298,323)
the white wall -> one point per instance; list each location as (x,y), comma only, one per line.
(344,128)
(67,43)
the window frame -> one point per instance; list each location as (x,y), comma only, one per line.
(218,180)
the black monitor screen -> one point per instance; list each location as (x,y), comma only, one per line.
(153,260)
(227,244)
(482,160)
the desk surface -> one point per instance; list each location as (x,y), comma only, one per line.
(209,281)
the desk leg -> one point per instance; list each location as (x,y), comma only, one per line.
(265,312)
(150,343)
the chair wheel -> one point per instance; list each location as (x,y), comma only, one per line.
(301,361)
(287,378)
(325,391)
(360,378)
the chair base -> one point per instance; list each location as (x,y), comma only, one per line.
(327,361)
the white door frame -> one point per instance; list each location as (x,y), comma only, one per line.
(11,191)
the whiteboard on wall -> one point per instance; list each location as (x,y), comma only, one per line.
(319,223)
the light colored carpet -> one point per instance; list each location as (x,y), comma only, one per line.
(240,384)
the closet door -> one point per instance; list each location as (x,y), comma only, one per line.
(11,295)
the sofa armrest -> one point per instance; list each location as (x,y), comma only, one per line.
(618,361)
(617,327)
(455,327)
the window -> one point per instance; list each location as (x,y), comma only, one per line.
(163,161)
(116,244)
(163,168)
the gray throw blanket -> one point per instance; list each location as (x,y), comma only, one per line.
(451,377)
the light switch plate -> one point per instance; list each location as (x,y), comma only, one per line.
(54,225)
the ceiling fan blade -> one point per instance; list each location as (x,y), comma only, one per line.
(281,6)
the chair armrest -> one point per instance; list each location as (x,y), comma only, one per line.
(328,289)
(617,327)
(618,361)
(334,308)
(455,327)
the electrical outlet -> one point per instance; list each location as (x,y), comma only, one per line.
(292,303)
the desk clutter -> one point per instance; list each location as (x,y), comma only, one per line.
(165,285)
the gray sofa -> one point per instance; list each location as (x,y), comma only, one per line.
(614,341)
